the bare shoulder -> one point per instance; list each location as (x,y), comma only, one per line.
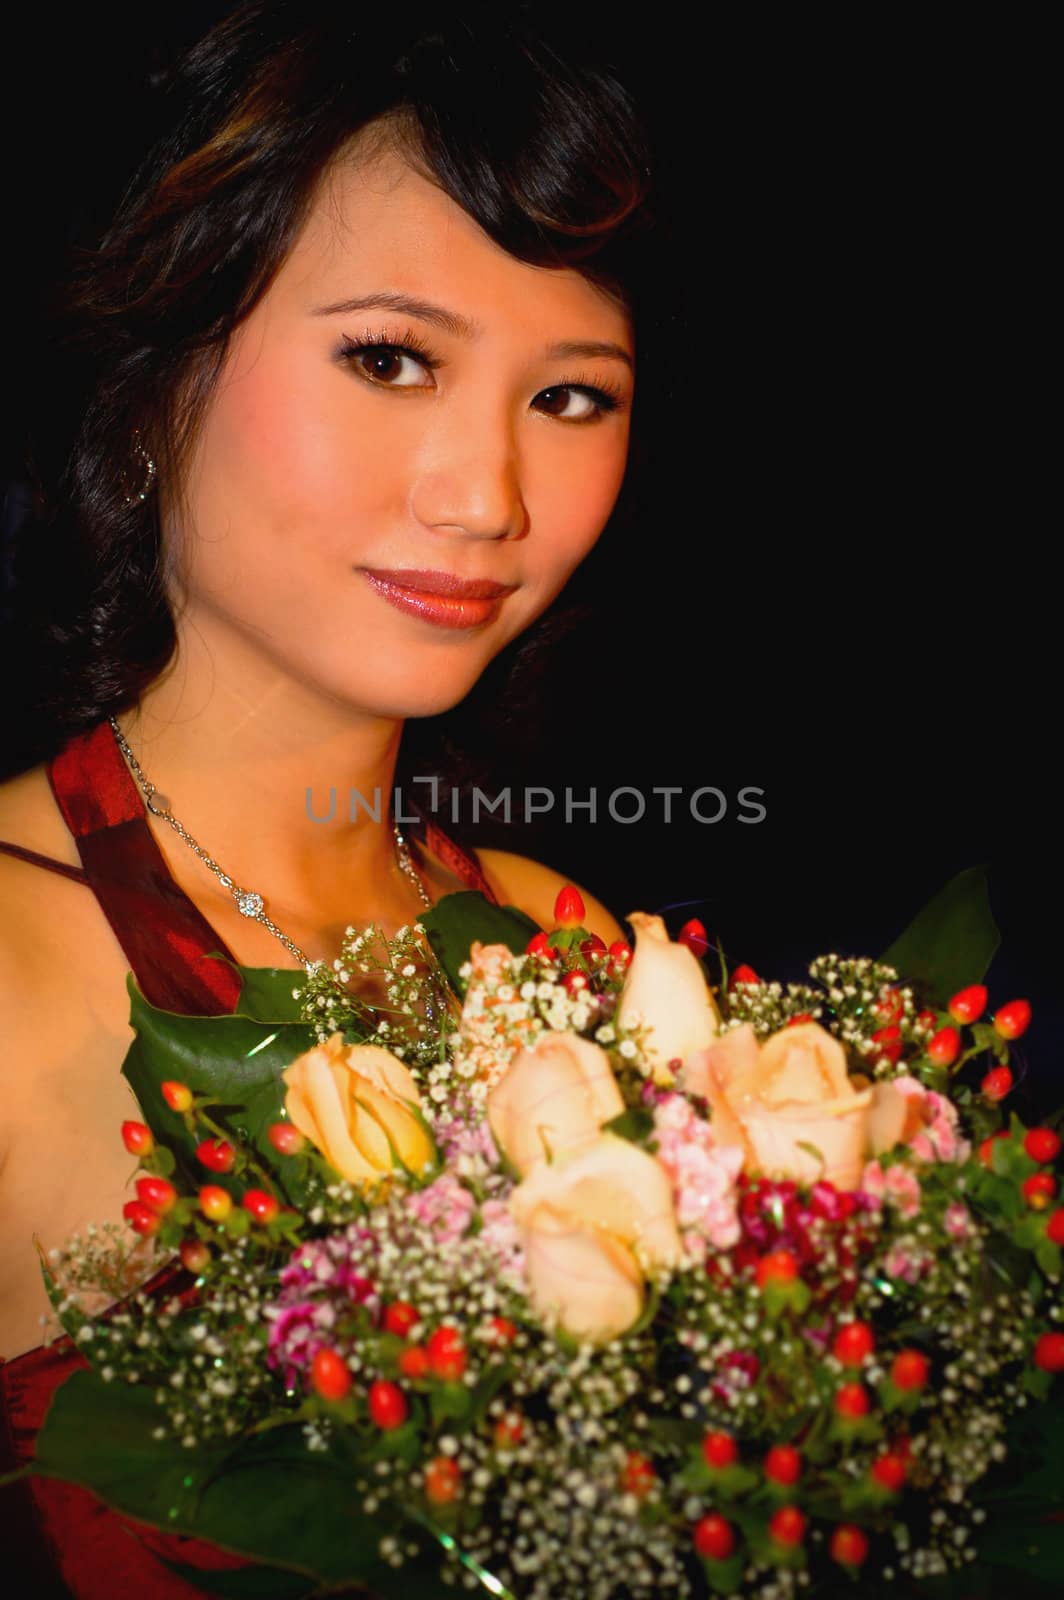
(533,887)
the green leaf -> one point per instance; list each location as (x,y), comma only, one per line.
(100,1435)
(633,1124)
(234,1059)
(456,920)
(251,1583)
(951,942)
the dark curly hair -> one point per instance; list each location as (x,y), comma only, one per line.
(530,129)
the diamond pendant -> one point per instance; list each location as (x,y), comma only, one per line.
(248,903)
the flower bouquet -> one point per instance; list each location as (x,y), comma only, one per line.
(580,1271)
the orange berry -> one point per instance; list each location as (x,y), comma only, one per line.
(853,1344)
(848,1546)
(194,1255)
(968,1004)
(447,1353)
(997,1083)
(1039,1189)
(400,1317)
(178,1096)
(714,1537)
(141,1218)
(719,1449)
(1013,1019)
(330,1375)
(944,1046)
(508,1430)
(637,1475)
(569,908)
(1048,1352)
(215,1202)
(694,936)
(414,1361)
(217,1155)
(260,1205)
(1042,1144)
(777,1266)
(787,1525)
(157,1194)
(783,1464)
(387,1404)
(286,1139)
(909,1369)
(743,974)
(443,1479)
(1055,1227)
(851,1400)
(889,1471)
(136,1137)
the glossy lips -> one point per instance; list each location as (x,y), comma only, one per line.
(440,597)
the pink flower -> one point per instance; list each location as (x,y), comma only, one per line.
(937,1138)
(445,1206)
(897,1184)
(957,1220)
(703,1176)
(900,1263)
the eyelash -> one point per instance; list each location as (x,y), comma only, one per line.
(607,396)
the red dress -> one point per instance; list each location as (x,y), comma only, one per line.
(62,1539)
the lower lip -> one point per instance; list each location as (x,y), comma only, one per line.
(437,608)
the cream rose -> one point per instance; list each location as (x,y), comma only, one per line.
(553,1098)
(349,1101)
(790,1092)
(593,1224)
(666,990)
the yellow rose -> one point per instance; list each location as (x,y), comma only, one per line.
(349,1100)
(593,1224)
(553,1098)
(666,990)
(794,1090)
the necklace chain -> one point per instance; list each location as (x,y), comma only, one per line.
(249,903)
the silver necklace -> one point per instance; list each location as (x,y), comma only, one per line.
(249,903)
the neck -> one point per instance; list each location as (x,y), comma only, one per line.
(246,756)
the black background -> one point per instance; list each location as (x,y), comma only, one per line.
(847,596)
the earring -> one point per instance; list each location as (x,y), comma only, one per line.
(149,471)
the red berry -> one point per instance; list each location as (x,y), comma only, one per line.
(443,1479)
(1013,1019)
(576,982)
(743,975)
(637,1474)
(1039,1189)
(592,948)
(777,1266)
(569,908)
(889,1006)
(783,1464)
(719,1449)
(927,1019)
(889,1472)
(854,1343)
(500,1330)
(1042,1144)
(620,954)
(194,1255)
(798,1018)
(538,946)
(330,1375)
(414,1361)
(968,1004)
(848,1546)
(1048,1352)
(851,1400)
(986,1149)
(787,1525)
(387,1404)
(909,1369)
(890,1042)
(215,1203)
(286,1139)
(178,1096)
(141,1218)
(1055,1227)
(944,1046)
(400,1317)
(997,1083)
(137,1138)
(262,1206)
(713,1536)
(508,1430)
(157,1194)
(217,1155)
(447,1353)
(694,936)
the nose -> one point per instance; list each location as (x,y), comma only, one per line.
(472,487)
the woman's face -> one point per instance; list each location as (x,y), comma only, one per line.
(477,452)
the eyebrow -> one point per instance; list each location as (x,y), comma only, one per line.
(460,327)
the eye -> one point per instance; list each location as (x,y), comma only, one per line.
(382,361)
(596,401)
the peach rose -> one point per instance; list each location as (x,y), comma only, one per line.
(790,1092)
(593,1224)
(349,1101)
(553,1098)
(666,990)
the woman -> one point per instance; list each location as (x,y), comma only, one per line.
(359,347)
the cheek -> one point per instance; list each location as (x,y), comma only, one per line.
(571,505)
